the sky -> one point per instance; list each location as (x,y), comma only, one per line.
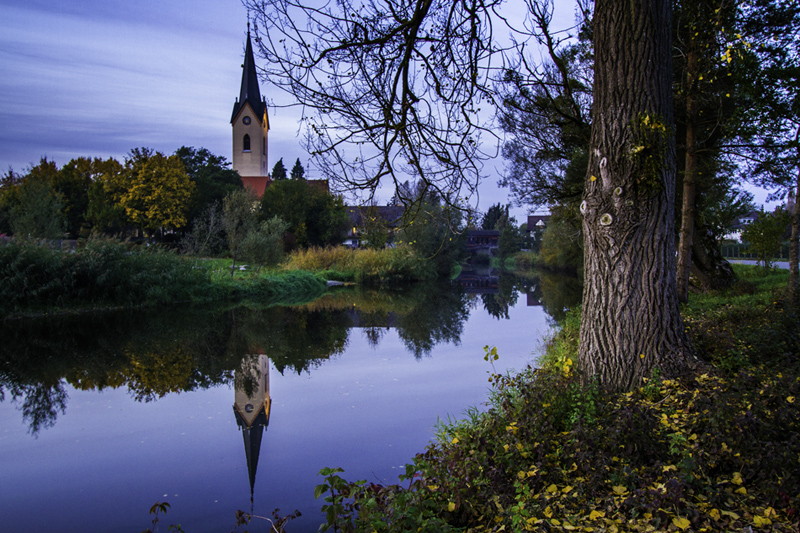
(96,78)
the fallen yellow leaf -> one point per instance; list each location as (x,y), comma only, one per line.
(451,507)
(681,522)
(594,515)
(759,521)
(714,513)
(552,488)
(619,490)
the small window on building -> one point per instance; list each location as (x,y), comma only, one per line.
(246,143)
(264,146)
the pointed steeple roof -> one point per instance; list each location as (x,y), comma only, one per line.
(249,91)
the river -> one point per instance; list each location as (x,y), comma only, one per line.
(239,407)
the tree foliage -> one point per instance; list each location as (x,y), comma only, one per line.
(765,234)
(263,244)
(315,217)
(212,177)
(156,191)
(38,212)
(239,218)
(546,112)
(297,172)
(434,229)
(278,171)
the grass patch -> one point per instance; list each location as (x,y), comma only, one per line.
(105,274)
(716,451)
(391,266)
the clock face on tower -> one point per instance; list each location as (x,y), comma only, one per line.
(246,121)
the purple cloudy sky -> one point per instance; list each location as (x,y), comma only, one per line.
(99,77)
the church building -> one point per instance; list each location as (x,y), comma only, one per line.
(250,125)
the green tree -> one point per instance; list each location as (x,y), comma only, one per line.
(212,177)
(435,231)
(239,219)
(263,244)
(315,217)
(73,182)
(38,212)
(493,216)
(298,172)
(546,113)
(156,191)
(775,155)
(765,235)
(279,171)
(104,211)
(510,240)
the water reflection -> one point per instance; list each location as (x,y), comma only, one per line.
(157,352)
(499,290)
(252,408)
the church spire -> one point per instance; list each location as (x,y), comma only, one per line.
(249,92)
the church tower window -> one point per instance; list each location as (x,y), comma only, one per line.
(246,143)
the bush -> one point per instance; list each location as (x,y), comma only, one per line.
(103,272)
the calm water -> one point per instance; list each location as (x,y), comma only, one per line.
(102,416)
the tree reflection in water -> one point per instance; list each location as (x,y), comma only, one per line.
(158,352)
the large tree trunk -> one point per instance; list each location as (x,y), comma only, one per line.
(690,168)
(630,321)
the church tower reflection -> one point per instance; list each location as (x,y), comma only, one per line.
(252,407)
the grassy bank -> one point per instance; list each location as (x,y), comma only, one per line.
(715,451)
(107,274)
(391,266)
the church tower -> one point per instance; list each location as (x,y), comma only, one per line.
(250,125)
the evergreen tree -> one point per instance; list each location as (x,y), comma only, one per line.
(298,171)
(279,171)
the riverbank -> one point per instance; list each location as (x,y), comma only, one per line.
(105,274)
(718,450)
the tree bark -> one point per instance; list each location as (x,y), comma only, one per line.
(630,320)
(690,168)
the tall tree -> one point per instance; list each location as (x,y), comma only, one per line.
(212,177)
(298,172)
(156,190)
(39,209)
(775,156)
(401,84)
(315,217)
(630,319)
(493,216)
(279,171)
(73,182)
(104,211)
(408,79)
